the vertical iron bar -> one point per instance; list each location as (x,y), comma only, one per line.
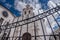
(20,30)
(27,22)
(43,30)
(17,23)
(55,20)
(4,32)
(50,27)
(15,30)
(42,27)
(59,35)
(57,24)
(9,32)
(35,29)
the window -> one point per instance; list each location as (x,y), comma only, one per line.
(26,36)
(5,13)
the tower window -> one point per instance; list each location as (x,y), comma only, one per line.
(29,11)
(25,12)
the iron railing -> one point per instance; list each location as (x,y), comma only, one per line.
(6,29)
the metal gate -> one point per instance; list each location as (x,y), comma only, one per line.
(33,26)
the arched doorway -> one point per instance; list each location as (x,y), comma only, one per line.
(26,36)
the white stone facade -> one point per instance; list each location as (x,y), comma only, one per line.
(34,28)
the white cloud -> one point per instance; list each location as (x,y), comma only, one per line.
(20,5)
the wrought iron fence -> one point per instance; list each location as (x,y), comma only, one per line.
(20,30)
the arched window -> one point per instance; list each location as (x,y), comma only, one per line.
(26,36)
